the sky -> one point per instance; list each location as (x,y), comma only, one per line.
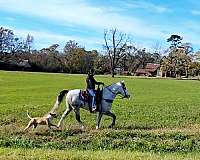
(148,22)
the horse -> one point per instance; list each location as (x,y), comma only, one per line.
(74,102)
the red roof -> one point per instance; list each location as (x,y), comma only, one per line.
(149,68)
(152,67)
(141,71)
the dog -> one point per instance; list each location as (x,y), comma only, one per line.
(46,120)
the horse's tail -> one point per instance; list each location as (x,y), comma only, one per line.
(59,99)
(28,115)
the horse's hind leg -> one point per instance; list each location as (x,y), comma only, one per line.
(108,113)
(67,111)
(78,118)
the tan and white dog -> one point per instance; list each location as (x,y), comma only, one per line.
(46,120)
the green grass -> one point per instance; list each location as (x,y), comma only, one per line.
(20,154)
(162,116)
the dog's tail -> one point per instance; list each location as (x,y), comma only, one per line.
(59,100)
(28,115)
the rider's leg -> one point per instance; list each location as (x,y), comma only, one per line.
(92,94)
(93,103)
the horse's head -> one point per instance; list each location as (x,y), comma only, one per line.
(122,90)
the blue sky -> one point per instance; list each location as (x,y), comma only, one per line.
(148,22)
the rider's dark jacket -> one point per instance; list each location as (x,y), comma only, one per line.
(91,82)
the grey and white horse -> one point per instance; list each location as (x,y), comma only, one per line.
(74,102)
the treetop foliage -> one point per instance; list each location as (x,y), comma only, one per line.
(119,54)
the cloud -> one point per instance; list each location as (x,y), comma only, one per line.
(147,6)
(44,39)
(81,13)
(89,17)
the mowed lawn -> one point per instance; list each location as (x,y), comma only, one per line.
(154,103)
(162,115)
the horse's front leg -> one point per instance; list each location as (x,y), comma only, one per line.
(108,113)
(98,119)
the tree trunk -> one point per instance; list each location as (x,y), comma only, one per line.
(165,74)
(112,72)
(186,73)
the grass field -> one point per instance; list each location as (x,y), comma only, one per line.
(21,154)
(162,117)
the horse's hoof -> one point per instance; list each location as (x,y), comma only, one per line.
(97,127)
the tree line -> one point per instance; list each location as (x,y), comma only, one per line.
(118,53)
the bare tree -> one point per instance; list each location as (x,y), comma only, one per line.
(29,43)
(115,46)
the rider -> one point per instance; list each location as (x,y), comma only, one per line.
(91,89)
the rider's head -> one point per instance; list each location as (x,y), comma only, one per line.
(91,72)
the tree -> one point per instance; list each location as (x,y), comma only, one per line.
(29,43)
(115,44)
(17,46)
(175,41)
(70,47)
(47,59)
(12,46)
(165,65)
(6,40)
(101,64)
(138,58)
(178,61)
(77,59)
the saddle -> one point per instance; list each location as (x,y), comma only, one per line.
(84,95)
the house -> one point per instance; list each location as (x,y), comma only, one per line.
(122,71)
(150,70)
